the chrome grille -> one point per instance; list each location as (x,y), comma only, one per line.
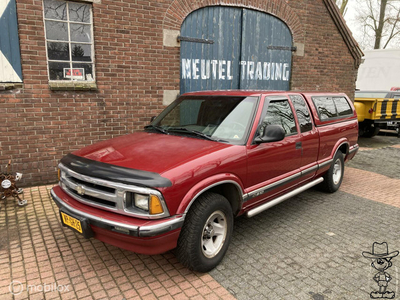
(104,194)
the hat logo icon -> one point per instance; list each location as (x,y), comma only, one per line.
(381,261)
(380,250)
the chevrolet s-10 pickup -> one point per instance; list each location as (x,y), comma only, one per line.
(206,159)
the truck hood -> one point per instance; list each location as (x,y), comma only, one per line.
(150,152)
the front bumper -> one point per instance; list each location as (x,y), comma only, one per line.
(129,233)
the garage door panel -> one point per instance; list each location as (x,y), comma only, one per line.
(204,66)
(263,65)
(229,48)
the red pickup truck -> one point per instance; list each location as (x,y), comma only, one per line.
(207,158)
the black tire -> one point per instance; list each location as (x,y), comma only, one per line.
(333,179)
(371,131)
(198,234)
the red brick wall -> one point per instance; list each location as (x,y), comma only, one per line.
(132,70)
(327,63)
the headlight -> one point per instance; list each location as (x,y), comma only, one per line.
(149,203)
(142,201)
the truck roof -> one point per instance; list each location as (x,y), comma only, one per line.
(259,93)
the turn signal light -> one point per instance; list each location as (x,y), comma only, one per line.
(155,205)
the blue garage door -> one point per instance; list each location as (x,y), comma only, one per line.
(234,48)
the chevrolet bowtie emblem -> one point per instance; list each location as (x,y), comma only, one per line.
(80,190)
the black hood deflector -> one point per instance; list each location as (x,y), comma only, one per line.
(114,173)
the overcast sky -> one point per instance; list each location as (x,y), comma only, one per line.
(350,17)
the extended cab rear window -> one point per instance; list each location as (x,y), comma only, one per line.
(302,112)
(332,107)
(342,106)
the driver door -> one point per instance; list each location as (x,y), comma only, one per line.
(274,166)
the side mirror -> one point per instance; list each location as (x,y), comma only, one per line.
(272,133)
(152,118)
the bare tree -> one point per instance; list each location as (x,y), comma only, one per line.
(342,4)
(380,21)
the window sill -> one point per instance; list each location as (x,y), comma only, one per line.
(72,86)
(10,86)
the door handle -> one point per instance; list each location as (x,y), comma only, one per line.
(299,145)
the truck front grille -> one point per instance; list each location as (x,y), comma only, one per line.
(92,185)
(89,190)
(103,194)
(88,198)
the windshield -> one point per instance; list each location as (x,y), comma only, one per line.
(219,118)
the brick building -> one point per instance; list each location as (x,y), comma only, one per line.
(78,72)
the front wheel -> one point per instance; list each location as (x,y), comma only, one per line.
(334,177)
(206,233)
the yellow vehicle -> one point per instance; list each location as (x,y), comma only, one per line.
(377,110)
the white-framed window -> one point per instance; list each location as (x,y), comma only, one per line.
(69,40)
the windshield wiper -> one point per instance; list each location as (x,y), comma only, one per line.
(195,132)
(157,128)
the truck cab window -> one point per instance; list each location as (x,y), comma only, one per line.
(279,113)
(302,112)
(342,106)
(326,107)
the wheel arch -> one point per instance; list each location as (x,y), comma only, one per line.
(232,193)
(229,188)
(332,181)
(342,146)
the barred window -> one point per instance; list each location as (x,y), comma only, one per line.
(69,40)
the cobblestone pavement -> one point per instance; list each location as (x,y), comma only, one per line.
(46,261)
(308,247)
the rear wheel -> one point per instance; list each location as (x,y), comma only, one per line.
(334,177)
(206,233)
(370,131)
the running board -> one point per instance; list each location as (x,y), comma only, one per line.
(261,208)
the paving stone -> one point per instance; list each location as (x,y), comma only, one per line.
(35,246)
(378,161)
(293,246)
(308,247)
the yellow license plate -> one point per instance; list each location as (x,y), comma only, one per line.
(71,222)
